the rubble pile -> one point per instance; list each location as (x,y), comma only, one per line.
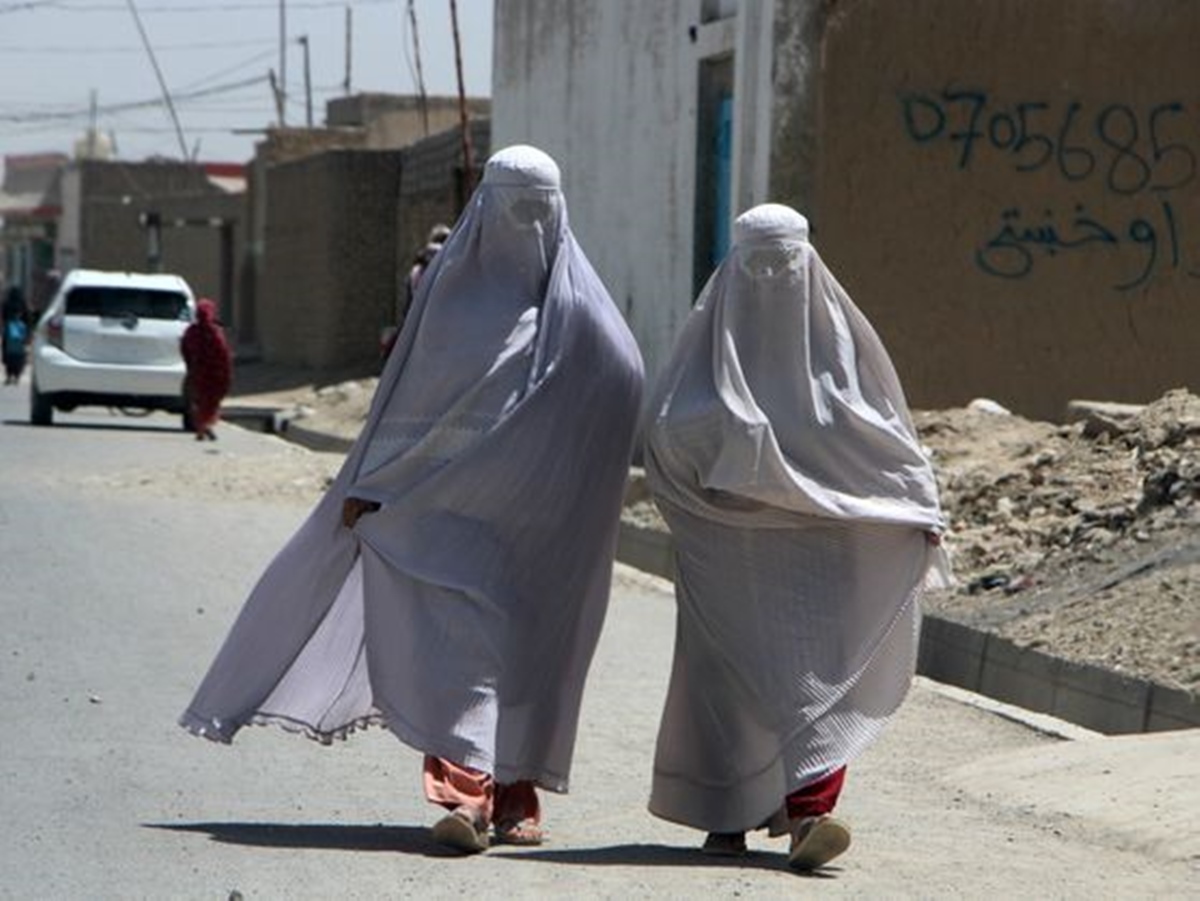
(1023,497)
(1078,539)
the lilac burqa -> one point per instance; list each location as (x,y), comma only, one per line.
(464,613)
(781,452)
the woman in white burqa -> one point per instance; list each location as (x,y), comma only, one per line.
(805,520)
(452,583)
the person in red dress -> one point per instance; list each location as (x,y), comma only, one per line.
(209,369)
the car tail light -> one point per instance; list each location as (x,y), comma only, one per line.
(54,331)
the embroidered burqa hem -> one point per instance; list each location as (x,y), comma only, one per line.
(782,455)
(464,613)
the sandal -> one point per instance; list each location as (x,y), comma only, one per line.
(816,841)
(725,844)
(462,831)
(518,832)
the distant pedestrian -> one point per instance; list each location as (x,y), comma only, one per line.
(437,237)
(421,261)
(806,520)
(209,370)
(15,335)
(453,581)
(51,281)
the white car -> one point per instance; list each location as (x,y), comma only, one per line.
(111,339)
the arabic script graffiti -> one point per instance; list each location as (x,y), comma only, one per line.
(1121,151)
(1131,150)
(1012,251)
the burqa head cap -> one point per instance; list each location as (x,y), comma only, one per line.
(770,222)
(521,166)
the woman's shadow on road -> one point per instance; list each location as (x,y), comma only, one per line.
(322,836)
(417,840)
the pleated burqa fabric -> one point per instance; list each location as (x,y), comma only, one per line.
(782,455)
(464,614)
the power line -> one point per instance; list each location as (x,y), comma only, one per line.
(68,7)
(46,116)
(162,82)
(26,6)
(228,70)
(86,50)
(166,129)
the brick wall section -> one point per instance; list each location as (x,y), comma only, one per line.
(431,191)
(328,278)
(363,110)
(281,145)
(392,121)
(1011,192)
(116,194)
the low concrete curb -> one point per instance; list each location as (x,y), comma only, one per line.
(956,654)
(254,419)
(277,421)
(295,430)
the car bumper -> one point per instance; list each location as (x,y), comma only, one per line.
(56,372)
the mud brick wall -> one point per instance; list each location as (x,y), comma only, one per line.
(328,275)
(1011,191)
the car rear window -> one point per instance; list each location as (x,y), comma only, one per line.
(145,303)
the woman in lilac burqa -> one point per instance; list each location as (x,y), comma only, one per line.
(452,583)
(805,519)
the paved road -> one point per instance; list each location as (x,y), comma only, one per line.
(115,595)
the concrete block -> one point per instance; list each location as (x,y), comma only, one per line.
(646,549)
(256,419)
(1172,708)
(313,439)
(1101,699)
(950,652)
(1019,675)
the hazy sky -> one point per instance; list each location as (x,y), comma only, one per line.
(215,57)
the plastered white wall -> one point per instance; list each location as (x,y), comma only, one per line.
(608,88)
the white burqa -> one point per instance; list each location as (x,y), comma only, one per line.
(462,615)
(782,455)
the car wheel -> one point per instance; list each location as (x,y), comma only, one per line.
(41,411)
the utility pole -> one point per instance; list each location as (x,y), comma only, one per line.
(151,221)
(277,93)
(468,172)
(162,82)
(303,41)
(416,38)
(281,91)
(91,132)
(349,30)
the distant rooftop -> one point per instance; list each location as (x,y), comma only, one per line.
(30,183)
(361,109)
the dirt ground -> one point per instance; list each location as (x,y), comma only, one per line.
(1079,539)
